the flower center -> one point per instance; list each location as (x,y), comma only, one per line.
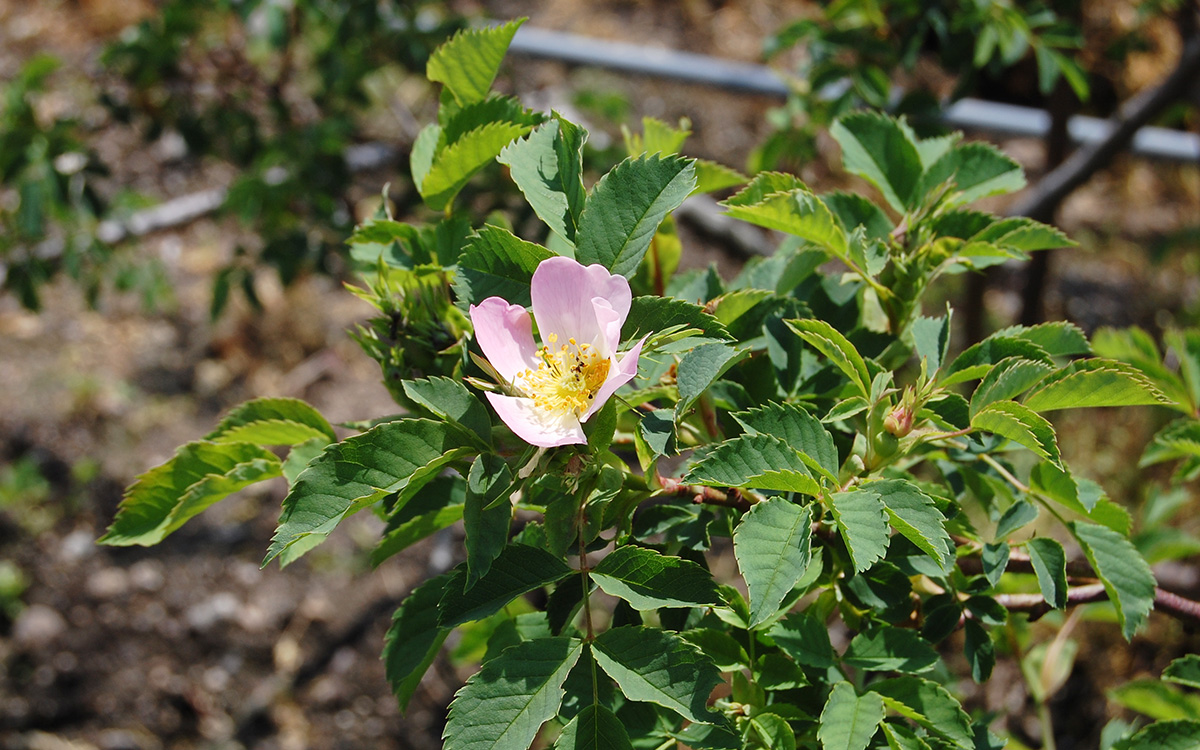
(567,378)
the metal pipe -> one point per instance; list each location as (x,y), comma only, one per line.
(747,78)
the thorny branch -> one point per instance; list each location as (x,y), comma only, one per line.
(731,498)
(1087,591)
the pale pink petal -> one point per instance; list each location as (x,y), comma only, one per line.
(609,322)
(621,372)
(505,334)
(537,426)
(564,294)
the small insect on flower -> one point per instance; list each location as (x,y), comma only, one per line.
(560,384)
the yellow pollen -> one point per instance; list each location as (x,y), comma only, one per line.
(566,379)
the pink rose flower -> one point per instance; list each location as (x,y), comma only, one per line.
(579,311)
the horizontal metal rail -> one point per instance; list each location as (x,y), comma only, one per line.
(747,78)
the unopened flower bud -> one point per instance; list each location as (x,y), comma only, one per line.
(898,422)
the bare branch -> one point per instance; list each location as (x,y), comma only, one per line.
(1044,197)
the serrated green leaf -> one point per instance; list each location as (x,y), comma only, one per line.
(900,737)
(772,545)
(505,703)
(594,728)
(930,705)
(1058,338)
(299,457)
(1019,424)
(1021,234)
(931,339)
(1180,734)
(876,148)
(862,520)
(854,211)
(1008,379)
(846,409)
(1091,383)
(651,314)
(804,638)
(711,177)
(199,474)
(758,461)
(1179,439)
(412,530)
(708,737)
(977,360)
(486,526)
(423,150)
(625,208)
(658,667)
(849,721)
(1122,570)
(977,171)
(649,580)
(272,421)
(699,369)
(468,63)
(455,164)
(350,475)
(836,348)
(548,168)
(763,185)
(1185,344)
(1081,496)
(497,263)
(1050,565)
(517,570)
(724,650)
(994,558)
(888,649)
(797,212)
(1157,700)
(733,306)
(979,651)
(1017,515)
(915,515)
(1184,671)
(449,399)
(657,137)
(773,731)
(414,638)
(797,428)
(493,109)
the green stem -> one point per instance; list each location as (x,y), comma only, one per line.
(1018,484)
(1047,726)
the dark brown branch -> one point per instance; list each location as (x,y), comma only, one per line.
(1135,113)
(1036,606)
(1176,605)
(701,495)
(1088,590)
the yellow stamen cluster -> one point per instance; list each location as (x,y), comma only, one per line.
(567,378)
